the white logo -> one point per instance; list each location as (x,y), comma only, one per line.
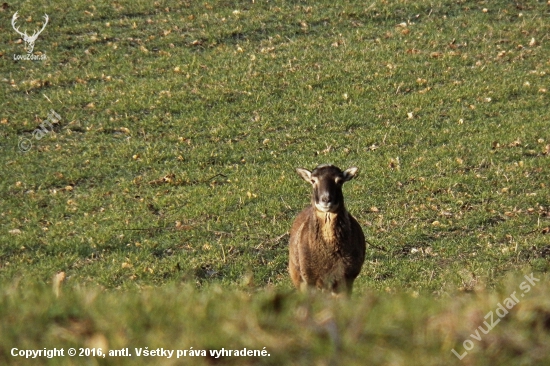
(29,40)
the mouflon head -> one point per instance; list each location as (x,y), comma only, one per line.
(327,181)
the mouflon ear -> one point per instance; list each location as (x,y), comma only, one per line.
(350,173)
(305,174)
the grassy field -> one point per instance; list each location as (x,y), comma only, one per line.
(164,193)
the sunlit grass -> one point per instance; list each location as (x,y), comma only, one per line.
(182,123)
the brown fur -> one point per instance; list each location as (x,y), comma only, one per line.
(327,249)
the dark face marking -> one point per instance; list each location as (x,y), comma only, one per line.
(327,181)
(327,188)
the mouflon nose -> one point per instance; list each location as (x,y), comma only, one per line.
(325,198)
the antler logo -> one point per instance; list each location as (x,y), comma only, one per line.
(29,40)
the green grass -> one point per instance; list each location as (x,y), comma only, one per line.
(169,182)
(296,329)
